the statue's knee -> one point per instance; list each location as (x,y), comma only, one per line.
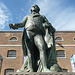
(42,48)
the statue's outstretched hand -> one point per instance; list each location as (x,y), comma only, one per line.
(12,26)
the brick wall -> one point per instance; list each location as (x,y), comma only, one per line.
(16,63)
(5,45)
(68,45)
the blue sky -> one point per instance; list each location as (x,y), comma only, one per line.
(61,13)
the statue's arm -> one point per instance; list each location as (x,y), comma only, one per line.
(47,24)
(19,25)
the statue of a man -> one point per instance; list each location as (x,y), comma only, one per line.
(34,42)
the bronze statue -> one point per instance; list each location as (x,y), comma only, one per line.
(37,40)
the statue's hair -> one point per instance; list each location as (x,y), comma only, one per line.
(37,7)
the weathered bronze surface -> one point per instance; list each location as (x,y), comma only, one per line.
(38,43)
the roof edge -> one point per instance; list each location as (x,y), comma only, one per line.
(3,31)
(22,31)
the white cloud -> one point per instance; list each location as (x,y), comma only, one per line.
(61,17)
(4,16)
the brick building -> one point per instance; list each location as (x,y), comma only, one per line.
(11,50)
(65,48)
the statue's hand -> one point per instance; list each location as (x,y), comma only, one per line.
(12,26)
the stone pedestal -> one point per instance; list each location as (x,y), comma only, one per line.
(41,73)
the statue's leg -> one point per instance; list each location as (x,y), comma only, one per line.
(41,45)
(36,58)
(30,50)
(30,61)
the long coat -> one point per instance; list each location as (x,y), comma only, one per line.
(50,41)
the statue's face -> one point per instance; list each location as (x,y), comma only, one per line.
(35,8)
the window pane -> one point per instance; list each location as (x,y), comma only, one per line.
(13,39)
(64,70)
(58,39)
(11,53)
(60,53)
(8,70)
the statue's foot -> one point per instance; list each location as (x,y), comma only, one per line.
(31,70)
(46,70)
(19,70)
(55,68)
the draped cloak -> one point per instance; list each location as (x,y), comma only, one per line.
(50,41)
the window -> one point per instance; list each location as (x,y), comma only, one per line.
(64,70)
(8,70)
(13,39)
(11,53)
(60,53)
(58,39)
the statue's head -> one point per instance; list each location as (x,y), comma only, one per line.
(35,8)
